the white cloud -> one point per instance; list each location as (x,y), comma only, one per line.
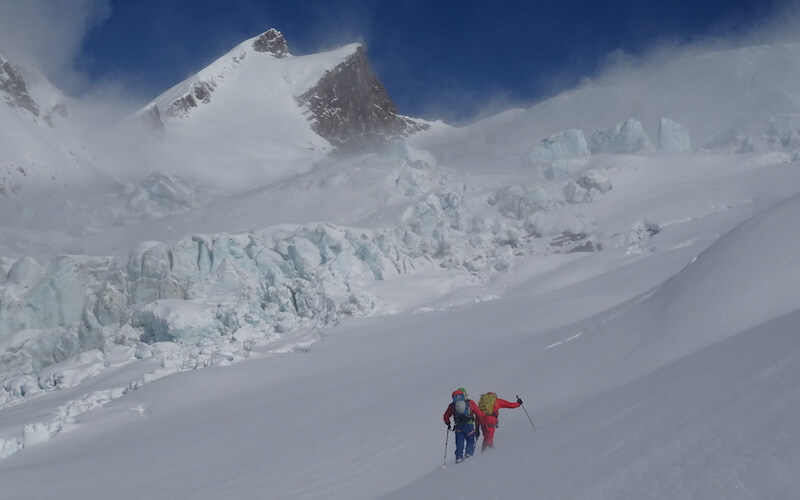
(47,34)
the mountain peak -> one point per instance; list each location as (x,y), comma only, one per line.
(350,107)
(14,90)
(272,41)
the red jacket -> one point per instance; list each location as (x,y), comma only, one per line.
(472,406)
(491,419)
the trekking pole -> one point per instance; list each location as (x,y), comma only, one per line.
(526,413)
(446,438)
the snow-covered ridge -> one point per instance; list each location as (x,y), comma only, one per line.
(298,73)
(240,116)
(678,326)
(263,114)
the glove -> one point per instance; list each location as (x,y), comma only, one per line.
(519,400)
(448,426)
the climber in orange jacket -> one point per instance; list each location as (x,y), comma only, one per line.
(489,422)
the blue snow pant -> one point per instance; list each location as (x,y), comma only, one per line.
(465,433)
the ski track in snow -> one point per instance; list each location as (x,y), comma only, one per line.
(568,339)
(715,209)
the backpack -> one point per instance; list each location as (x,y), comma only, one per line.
(461,410)
(486,403)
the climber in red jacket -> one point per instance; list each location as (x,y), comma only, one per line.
(464,413)
(491,404)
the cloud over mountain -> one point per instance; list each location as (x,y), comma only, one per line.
(48,34)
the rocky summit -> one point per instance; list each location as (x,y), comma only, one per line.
(271,41)
(350,107)
(13,90)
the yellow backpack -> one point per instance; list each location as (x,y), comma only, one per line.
(486,403)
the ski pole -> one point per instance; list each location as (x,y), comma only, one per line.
(446,438)
(526,413)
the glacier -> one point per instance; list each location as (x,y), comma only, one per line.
(218,290)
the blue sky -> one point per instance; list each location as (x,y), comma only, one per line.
(444,58)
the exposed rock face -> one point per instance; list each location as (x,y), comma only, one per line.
(13,89)
(350,108)
(201,92)
(272,41)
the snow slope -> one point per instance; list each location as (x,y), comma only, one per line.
(701,409)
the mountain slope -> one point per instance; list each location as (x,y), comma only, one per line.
(717,423)
(696,412)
